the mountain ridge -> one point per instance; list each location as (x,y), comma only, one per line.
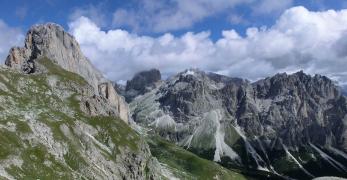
(61,111)
(60,119)
(232,120)
(50,40)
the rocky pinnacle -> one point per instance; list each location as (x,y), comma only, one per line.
(51,41)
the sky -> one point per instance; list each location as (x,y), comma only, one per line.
(250,39)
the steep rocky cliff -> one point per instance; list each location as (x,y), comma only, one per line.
(63,120)
(45,134)
(294,125)
(51,41)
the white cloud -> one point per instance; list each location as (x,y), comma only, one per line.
(9,37)
(161,16)
(237,19)
(271,6)
(93,12)
(315,42)
(170,15)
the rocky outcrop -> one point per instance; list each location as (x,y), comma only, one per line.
(304,109)
(51,41)
(53,126)
(108,91)
(142,83)
(256,125)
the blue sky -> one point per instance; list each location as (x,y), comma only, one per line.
(24,13)
(244,38)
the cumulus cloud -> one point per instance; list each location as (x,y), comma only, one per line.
(8,37)
(271,6)
(237,19)
(94,12)
(315,42)
(161,16)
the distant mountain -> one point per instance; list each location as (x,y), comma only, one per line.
(61,119)
(141,83)
(294,125)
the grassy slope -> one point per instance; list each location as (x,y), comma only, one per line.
(187,165)
(24,94)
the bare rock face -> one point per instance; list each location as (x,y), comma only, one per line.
(51,41)
(45,135)
(259,125)
(108,91)
(142,83)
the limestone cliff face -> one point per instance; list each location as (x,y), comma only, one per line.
(107,90)
(260,125)
(51,41)
(45,133)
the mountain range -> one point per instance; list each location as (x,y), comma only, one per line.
(62,119)
(291,125)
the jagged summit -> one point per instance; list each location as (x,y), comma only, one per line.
(194,74)
(259,125)
(281,84)
(143,79)
(141,83)
(51,41)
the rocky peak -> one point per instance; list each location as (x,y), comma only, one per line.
(143,79)
(52,42)
(141,83)
(193,92)
(298,83)
(190,75)
(218,116)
